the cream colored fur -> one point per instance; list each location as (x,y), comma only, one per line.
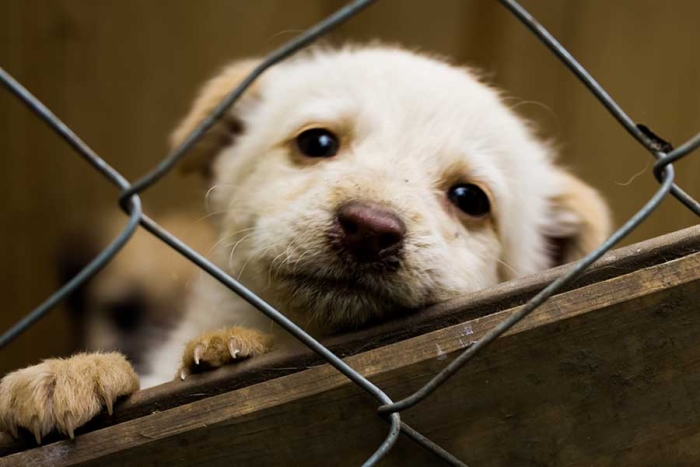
(410,128)
(146,271)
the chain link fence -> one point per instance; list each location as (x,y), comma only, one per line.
(388,409)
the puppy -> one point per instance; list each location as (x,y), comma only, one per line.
(139,297)
(355,185)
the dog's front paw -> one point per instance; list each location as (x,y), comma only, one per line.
(63,394)
(216,348)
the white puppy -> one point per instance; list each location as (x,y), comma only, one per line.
(355,184)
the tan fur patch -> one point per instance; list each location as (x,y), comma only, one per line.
(216,348)
(63,394)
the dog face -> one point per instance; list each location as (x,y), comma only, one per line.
(131,305)
(359,182)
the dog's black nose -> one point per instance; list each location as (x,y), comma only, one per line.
(128,313)
(369,231)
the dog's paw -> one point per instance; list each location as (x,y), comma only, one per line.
(63,394)
(216,348)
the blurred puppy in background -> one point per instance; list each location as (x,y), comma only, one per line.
(355,185)
(139,297)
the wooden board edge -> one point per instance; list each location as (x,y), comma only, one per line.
(438,344)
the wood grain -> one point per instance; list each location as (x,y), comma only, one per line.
(604,374)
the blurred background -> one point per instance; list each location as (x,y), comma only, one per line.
(121,73)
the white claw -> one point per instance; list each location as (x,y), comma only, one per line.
(109,404)
(232,349)
(36,430)
(197,354)
(70,426)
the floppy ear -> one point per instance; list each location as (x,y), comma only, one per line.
(579,220)
(225,129)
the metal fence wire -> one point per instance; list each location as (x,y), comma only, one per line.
(389,410)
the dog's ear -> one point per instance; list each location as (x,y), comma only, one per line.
(579,220)
(225,130)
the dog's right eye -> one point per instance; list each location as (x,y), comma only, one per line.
(318,142)
(470,198)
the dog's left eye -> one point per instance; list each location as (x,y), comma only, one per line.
(471,199)
(318,142)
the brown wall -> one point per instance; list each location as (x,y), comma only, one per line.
(120,73)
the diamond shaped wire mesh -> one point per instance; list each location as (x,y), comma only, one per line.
(388,409)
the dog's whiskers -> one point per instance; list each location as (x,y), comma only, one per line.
(252,255)
(289,257)
(211,214)
(226,237)
(230,256)
(297,262)
(211,190)
(272,264)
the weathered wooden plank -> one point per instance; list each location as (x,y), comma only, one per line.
(616,263)
(604,374)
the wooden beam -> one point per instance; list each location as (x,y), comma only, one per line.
(605,373)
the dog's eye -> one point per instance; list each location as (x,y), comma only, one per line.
(470,198)
(318,142)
